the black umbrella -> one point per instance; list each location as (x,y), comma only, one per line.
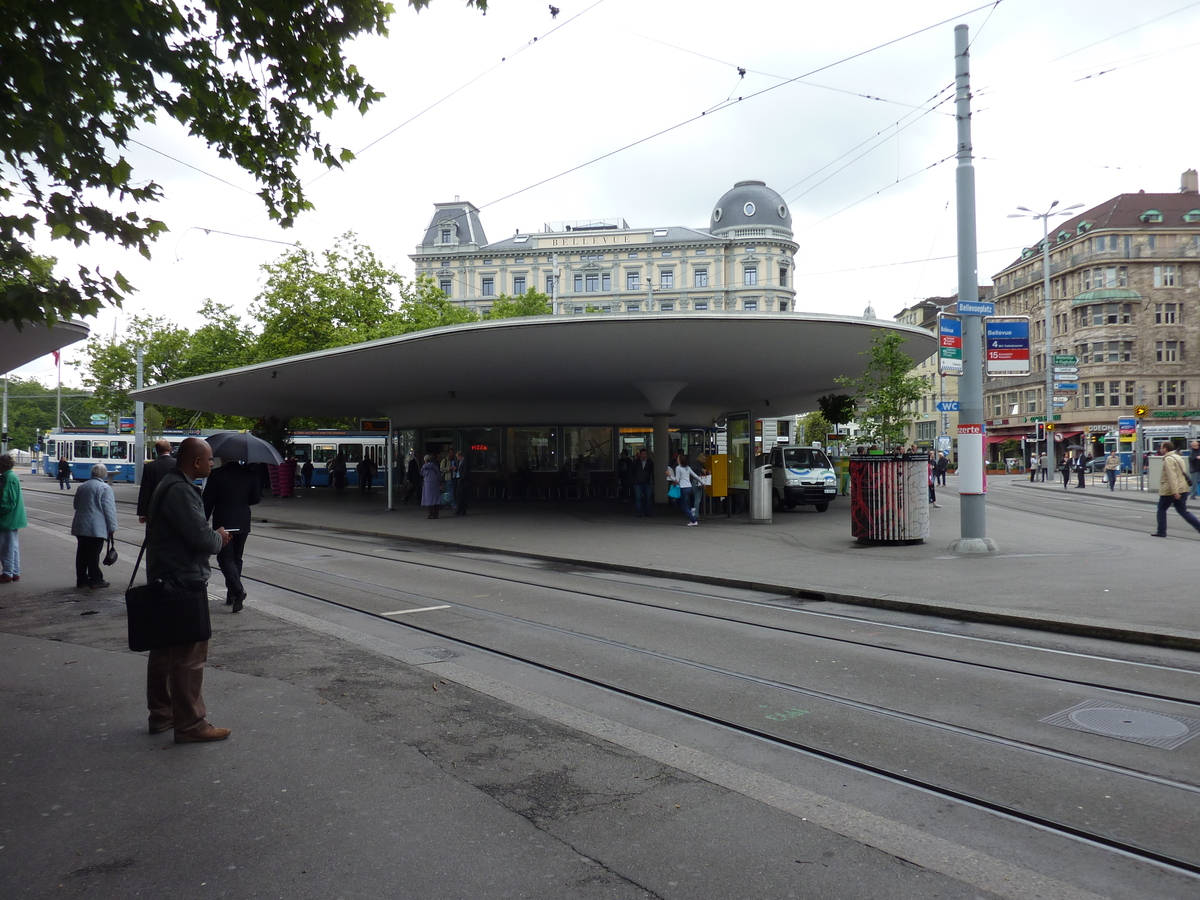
(244,446)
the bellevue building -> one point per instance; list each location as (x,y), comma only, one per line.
(744,260)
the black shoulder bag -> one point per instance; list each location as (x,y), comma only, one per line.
(165,612)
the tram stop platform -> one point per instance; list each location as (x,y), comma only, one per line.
(1078,562)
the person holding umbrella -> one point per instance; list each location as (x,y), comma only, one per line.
(228,495)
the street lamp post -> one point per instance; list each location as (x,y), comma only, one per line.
(1049,399)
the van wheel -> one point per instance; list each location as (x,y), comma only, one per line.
(789,504)
(821,507)
(775,502)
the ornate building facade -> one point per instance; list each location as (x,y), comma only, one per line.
(1125,302)
(744,260)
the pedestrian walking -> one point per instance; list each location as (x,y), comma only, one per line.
(178,545)
(933,481)
(1112,466)
(685,479)
(943,463)
(431,486)
(12,519)
(643,483)
(462,483)
(228,495)
(64,474)
(1065,468)
(1172,489)
(94,524)
(306,472)
(1043,465)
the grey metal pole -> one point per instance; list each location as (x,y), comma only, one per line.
(4,421)
(389,460)
(1048,406)
(972,484)
(139,427)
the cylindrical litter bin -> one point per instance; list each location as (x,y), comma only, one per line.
(889,498)
(760,495)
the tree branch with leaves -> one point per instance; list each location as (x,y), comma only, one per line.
(885,391)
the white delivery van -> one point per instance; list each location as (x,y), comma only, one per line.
(800,476)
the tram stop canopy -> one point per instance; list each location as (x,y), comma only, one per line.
(19,346)
(569,370)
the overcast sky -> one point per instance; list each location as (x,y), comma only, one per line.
(1074,100)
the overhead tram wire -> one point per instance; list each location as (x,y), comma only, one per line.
(464,86)
(1127,30)
(719,107)
(1137,60)
(878,192)
(907,262)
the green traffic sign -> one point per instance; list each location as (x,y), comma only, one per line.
(1065,359)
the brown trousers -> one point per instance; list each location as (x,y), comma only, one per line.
(174,686)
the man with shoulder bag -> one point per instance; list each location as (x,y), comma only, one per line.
(1173,487)
(178,546)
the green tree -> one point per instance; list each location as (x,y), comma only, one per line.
(80,77)
(316,301)
(425,305)
(814,427)
(110,363)
(532,303)
(838,409)
(222,342)
(885,390)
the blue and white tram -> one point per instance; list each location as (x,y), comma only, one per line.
(83,448)
(320,447)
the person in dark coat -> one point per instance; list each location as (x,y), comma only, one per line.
(228,495)
(1082,462)
(64,474)
(462,483)
(643,483)
(413,477)
(152,474)
(337,472)
(306,472)
(431,486)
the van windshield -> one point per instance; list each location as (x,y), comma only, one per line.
(805,458)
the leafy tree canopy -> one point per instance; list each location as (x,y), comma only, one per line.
(814,427)
(838,409)
(79,77)
(885,391)
(532,303)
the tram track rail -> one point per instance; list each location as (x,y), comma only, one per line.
(1042,822)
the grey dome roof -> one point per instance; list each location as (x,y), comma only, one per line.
(750,203)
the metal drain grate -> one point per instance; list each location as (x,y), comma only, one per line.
(440,653)
(1127,723)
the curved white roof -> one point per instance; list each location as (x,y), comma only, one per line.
(582,370)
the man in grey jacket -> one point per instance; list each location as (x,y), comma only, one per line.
(178,545)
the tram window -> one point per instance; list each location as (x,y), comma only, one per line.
(83,449)
(324,452)
(301,451)
(99,450)
(118,450)
(51,449)
(352,453)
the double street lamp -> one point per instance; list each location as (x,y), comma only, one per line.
(1045,217)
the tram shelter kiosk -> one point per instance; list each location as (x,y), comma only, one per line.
(567,370)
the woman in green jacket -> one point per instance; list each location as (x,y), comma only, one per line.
(12,517)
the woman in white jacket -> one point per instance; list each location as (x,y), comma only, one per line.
(94,523)
(686,480)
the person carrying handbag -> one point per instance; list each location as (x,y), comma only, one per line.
(94,524)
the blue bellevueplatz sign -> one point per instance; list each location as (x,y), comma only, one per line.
(976,308)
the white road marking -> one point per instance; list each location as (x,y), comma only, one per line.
(401,612)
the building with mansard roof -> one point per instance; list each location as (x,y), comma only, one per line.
(1125,296)
(743,261)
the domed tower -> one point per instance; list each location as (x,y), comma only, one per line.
(751,204)
(756,225)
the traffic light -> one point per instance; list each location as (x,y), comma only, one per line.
(1040,431)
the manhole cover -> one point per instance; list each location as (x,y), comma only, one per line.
(1127,723)
(438,652)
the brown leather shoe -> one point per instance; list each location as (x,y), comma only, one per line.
(201,735)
